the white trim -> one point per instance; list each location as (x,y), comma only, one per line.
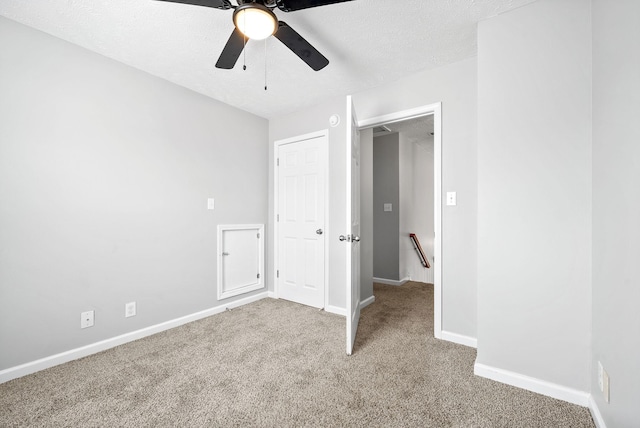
(336,310)
(246,288)
(73,354)
(391,281)
(539,386)
(324,133)
(459,339)
(343,312)
(437,218)
(366,302)
(398,116)
(436,110)
(595,413)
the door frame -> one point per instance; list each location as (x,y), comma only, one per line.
(426,110)
(324,134)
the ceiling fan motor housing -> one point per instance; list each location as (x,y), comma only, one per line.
(267,3)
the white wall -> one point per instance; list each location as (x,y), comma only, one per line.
(406,253)
(304,122)
(105,173)
(534,192)
(422,221)
(616,208)
(455,86)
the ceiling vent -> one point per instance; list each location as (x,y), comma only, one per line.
(380,130)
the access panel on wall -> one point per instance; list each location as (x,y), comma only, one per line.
(240,259)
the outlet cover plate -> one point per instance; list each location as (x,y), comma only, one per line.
(86,319)
(605,384)
(452,199)
(130,309)
(600,376)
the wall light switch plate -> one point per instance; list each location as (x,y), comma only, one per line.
(388,207)
(210,204)
(451,198)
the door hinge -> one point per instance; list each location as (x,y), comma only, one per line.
(258,235)
(258,276)
(277,161)
(277,274)
(278,217)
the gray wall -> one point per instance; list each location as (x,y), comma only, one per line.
(386,225)
(104,176)
(534,192)
(455,86)
(304,122)
(366,213)
(616,208)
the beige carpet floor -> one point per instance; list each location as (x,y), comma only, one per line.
(278,364)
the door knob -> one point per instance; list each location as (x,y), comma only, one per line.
(319,231)
(355,238)
(342,238)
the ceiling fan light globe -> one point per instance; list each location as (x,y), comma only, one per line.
(255,21)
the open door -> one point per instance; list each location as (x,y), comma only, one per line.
(353,222)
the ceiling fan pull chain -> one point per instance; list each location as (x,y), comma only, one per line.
(265,64)
(244,46)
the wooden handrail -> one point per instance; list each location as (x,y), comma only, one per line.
(418,247)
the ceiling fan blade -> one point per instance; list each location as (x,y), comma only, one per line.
(231,51)
(300,47)
(216,4)
(293,5)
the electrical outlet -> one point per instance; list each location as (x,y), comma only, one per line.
(605,384)
(86,319)
(130,309)
(600,381)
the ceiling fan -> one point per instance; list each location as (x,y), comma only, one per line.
(255,19)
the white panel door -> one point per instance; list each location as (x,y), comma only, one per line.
(353,220)
(301,217)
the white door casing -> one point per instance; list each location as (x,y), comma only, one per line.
(300,219)
(353,223)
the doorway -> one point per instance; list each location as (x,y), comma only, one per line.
(391,122)
(301,201)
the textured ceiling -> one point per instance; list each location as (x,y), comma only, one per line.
(368,43)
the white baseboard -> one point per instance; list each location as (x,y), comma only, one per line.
(539,386)
(73,354)
(459,339)
(342,311)
(595,413)
(366,302)
(336,310)
(391,281)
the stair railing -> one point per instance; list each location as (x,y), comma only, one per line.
(418,247)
